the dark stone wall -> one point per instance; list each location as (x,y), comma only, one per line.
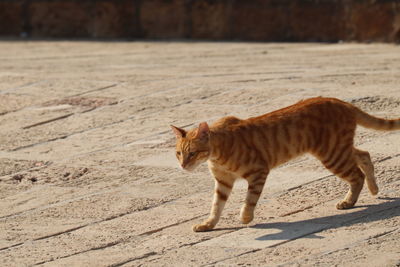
(250,20)
(11,18)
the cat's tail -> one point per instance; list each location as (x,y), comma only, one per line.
(369,121)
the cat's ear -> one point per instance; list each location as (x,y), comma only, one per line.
(203,130)
(178,131)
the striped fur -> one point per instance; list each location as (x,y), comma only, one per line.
(250,148)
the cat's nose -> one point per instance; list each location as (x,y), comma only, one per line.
(184,167)
(184,163)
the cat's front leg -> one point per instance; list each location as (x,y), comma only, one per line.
(223,187)
(256,183)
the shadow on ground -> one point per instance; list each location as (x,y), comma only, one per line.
(368,213)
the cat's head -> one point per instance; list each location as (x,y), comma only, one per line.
(192,147)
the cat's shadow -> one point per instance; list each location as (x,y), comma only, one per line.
(308,228)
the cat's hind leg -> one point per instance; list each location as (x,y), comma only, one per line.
(342,162)
(256,183)
(364,162)
(355,178)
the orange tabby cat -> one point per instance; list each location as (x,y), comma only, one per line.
(250,148)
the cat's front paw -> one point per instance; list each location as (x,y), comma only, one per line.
(342,205)
(246,216)
(205,226)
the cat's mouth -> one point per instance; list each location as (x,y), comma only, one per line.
(188,168)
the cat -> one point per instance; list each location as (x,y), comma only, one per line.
(250,148)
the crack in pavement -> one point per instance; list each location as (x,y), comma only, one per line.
(48,121)
(133,259)
(228,258)
(80,252)
(95,90)
(64,116)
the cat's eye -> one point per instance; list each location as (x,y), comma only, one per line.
(178,153)
(191,154)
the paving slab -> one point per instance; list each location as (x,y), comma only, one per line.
(88,175)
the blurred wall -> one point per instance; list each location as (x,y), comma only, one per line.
(252,20)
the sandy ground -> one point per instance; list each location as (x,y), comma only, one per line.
(88,175)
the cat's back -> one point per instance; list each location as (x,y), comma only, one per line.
(312,107)
(318,109)
(226,122)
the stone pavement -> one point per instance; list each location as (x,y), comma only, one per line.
(88,175)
